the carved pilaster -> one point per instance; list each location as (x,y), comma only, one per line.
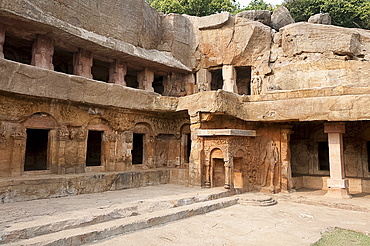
(18,150)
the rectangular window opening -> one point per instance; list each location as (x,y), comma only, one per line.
(138,149)
(131,78)
(158,84)
(243,80)
(368,156)
(100,70)
(217,80)
(188,148)
(63,61)
(324,156)
(94,146)
(36,150)
(17,49)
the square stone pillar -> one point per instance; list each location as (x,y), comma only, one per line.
(229,78)
(204,79)
(117,72)
(42,52)
(2,40)
(82,63)
(286,167)
(190,82)
(337,184)
(145,79)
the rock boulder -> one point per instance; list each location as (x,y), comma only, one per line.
(280,18)
(320,19)
(263,16)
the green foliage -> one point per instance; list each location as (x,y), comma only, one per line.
(346,13)
(338,236)
(194,7)
(259,5)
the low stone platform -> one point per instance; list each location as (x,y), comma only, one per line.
(360,202)
(25,188)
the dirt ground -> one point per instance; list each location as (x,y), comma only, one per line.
(283,224)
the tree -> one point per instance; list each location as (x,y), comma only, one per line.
(194,7)
(258,5)
(346,13)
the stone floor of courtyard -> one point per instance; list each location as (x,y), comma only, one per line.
(298,218)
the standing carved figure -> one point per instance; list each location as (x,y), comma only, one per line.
(270,161)
(256,85)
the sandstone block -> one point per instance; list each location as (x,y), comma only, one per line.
(263,16)
(320,19)
(213,21)
(280,18)
(309,38)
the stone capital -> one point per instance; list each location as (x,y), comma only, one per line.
(335,127)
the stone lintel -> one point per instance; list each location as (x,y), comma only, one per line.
(335,127)
(226,132)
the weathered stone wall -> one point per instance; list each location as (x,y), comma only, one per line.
(31,188)
(68,124)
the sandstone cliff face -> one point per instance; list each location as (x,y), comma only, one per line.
(300,55)
(306,55)
(132,21)
(237,41)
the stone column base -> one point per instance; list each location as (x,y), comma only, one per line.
(338,189)
(341,193)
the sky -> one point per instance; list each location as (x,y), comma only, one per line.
(246,2)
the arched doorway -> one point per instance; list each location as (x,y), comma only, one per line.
(217,169)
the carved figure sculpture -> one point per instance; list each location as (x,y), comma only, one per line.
(256,85)
(270,162)
(63,132)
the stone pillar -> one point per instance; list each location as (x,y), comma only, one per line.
(196,153)
(204,79)
(286,168)
(337,184)
(42,52)
(117,73)
(145,79)
(82,63)
(229,78)
(190,82)
(228,165)
(2,40)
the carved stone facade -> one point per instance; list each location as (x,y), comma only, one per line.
(135,94)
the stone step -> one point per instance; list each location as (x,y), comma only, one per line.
(256,200)
(42,225)
(100,231)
